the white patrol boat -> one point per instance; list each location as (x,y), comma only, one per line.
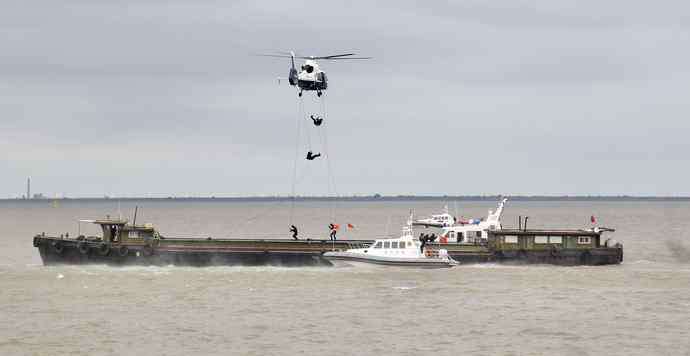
(437,220)
(473,231)
(403,251)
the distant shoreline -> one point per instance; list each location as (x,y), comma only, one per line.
(366,198)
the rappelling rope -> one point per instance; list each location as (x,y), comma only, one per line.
(300,117)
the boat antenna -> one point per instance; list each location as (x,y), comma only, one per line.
(134,221)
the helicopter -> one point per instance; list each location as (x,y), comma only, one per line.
(310,77)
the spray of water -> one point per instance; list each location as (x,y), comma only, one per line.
(678,251)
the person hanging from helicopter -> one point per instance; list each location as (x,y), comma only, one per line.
(311,156)
(293,230)
(317,120)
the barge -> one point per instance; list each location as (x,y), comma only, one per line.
(130,244)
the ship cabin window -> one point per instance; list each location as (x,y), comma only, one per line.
(111,233)
(394,244)
(378,245)
(541,239)
(510,239)
(556,239)
(584,240)
(387,244)
(479,234)
(114,233)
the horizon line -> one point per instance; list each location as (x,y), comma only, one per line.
(372,197)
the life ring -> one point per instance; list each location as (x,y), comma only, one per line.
(58,247)
(123,251)
(555,252)
(148,250)
(83,247)
(104,249)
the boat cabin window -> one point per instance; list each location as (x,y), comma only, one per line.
(556,239)
(541,239)
(394,244)
(510,239)
(111,233)
(387,244)
(479,233)
(378,245)
(114,233)
(584,240)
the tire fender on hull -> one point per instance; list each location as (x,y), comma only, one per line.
(83,247)
(58,247)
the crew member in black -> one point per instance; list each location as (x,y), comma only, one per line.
(333,231)
(293,230)
(422,238)
(311,156)
(317,120)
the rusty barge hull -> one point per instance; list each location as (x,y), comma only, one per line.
(283,252)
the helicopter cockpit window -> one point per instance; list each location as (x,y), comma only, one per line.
(308,68)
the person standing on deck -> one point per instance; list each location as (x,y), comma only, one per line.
(293,230)
(334,229)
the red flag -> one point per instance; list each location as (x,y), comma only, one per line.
(350,226)
(593,219)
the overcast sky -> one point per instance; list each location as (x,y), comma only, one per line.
(515,97)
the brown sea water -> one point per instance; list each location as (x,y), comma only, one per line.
(641,307)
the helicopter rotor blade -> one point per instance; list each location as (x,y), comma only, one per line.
(273,55)
(337,55)
(281,54)
(334,59)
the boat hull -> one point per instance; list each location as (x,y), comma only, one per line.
(252,252)
(349,259)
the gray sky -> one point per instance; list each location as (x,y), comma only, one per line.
(474,97)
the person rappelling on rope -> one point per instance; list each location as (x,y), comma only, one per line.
(293,230)
(311,156)
(317,120)
(334,229)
